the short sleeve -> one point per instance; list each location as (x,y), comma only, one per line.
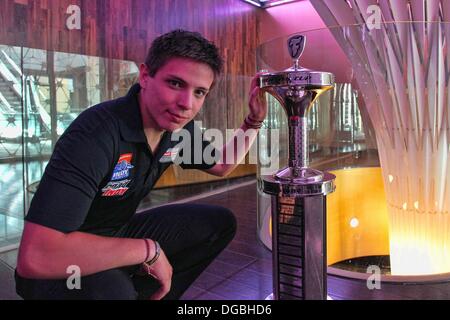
(195,152)
(79,163)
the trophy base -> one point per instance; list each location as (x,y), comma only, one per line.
(299,175)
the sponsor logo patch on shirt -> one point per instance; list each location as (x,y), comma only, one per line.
(170,155)
(122,168)
(115,188)
(119,182)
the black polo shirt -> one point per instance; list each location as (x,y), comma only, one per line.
(102,167)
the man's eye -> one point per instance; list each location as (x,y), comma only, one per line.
(174,83)
(200,93)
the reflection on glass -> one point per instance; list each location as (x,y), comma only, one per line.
(41,93)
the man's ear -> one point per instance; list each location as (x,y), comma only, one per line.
(143,75)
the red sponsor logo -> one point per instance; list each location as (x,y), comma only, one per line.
(125,157)
(114,192)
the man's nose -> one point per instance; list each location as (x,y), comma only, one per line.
(185,100)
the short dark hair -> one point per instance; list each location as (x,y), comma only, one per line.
(184,44)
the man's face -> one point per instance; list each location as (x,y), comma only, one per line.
(175,94)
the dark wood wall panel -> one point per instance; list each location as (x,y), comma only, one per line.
(123,29)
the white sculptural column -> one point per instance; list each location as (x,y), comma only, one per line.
(403,69)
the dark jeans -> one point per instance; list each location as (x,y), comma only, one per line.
(191,236)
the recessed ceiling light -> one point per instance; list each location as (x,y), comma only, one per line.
(268,3)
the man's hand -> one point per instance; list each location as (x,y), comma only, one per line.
(257,100)
(162,271)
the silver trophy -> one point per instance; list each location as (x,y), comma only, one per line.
(298,192)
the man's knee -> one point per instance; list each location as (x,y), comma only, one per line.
(226,222)
(230,220)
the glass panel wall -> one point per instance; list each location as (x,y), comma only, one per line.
(41,93)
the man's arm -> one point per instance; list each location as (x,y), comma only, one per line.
(46,253)
(244,137)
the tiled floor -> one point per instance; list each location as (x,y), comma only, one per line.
(241,272)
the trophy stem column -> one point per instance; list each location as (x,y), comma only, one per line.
(298,142)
